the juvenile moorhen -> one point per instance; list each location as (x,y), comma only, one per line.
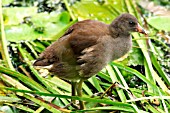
(87,47)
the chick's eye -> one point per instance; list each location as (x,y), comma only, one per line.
(131,23)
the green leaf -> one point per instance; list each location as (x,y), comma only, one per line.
(36,25)
(5,99)
(160,22)
(5,2)
(135,56)
(22,107)
(33,84)
(65,17)
(15,15)
(84,10)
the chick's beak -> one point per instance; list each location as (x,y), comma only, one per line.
(140,29)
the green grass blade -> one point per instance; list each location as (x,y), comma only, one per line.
(31,83)
(114,79)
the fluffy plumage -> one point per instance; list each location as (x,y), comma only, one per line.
(88,46)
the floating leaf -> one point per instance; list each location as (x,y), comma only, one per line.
(84,10)
(27,24)
(160,22)
(15,15)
